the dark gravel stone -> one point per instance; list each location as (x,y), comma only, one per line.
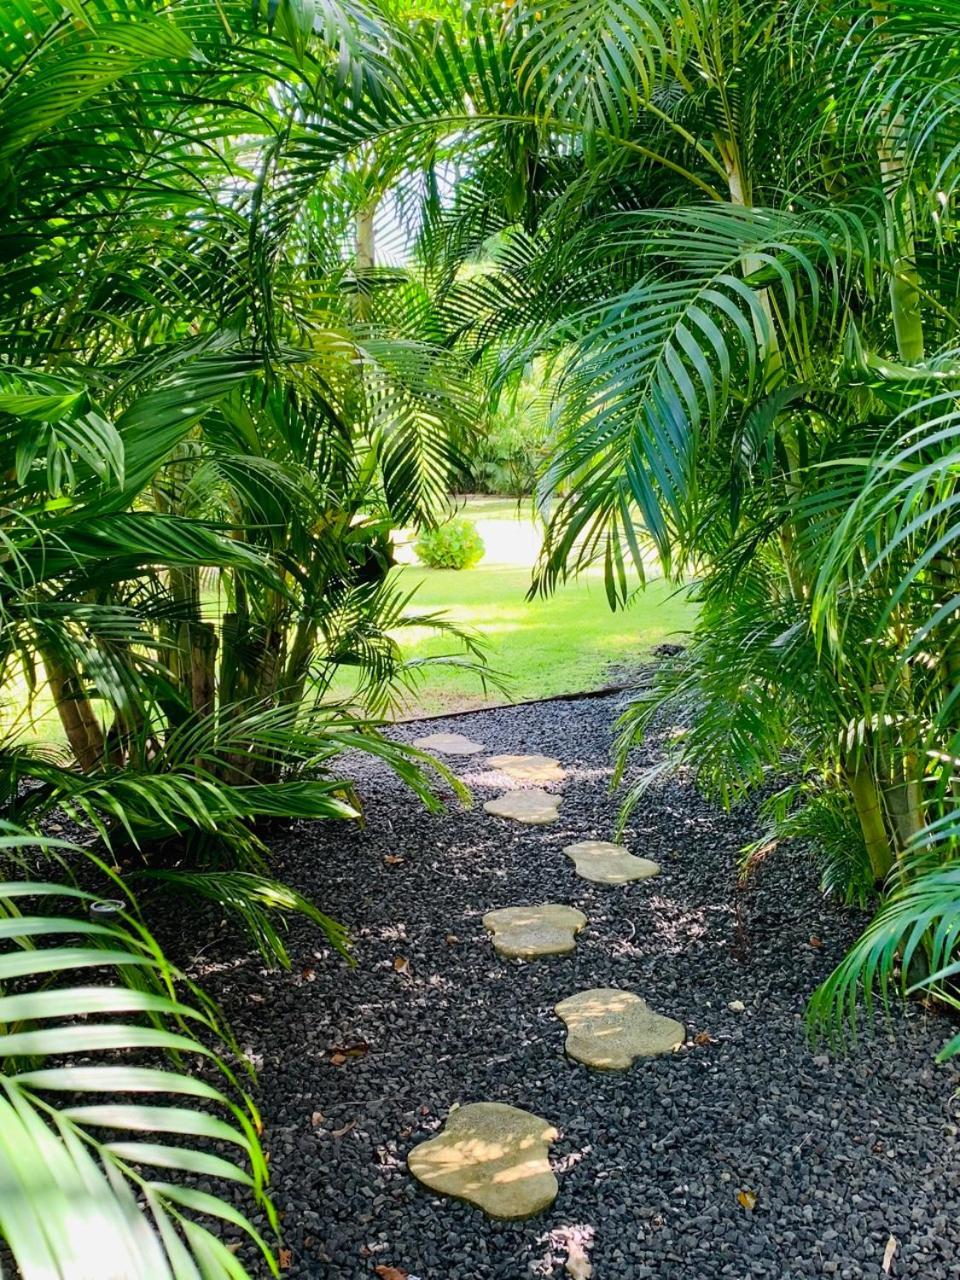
(840,1152)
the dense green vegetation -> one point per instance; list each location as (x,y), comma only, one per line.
(719,237)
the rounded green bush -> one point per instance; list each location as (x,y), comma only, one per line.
(454,545)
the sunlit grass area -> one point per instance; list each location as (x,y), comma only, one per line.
(567,643)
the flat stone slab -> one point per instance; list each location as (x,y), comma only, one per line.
(493,1156)
(523,933)
(450,744)
(607,863)
(535,807)
(610,1029)
(529,768)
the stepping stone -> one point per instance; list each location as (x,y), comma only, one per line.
(449,744)
(493,1156)
(529,768)
(607,863)
(527,932)
(610,1029)
(535,807)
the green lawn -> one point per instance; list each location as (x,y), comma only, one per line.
(564,644)
(568,643)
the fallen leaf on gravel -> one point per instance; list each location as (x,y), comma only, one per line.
(317,1119)
(390,1273)
(339,1053)
(888,1254)
(308,975)
(703,1037)
(339,1133)
(578,1264)
(402,965)
(393,859)
(747,1199)
(285,1259)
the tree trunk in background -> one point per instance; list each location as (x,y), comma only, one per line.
(76,712)
(365,259)
(866,799)
(199,640)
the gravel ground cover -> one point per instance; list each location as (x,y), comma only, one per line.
(746,1154)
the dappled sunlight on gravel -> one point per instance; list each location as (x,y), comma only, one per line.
(748,1154)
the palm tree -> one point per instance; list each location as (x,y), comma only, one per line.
(730,229)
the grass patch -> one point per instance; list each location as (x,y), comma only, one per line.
(568,643)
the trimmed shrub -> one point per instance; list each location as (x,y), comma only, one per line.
(454,545)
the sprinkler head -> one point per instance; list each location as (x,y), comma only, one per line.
(107,908)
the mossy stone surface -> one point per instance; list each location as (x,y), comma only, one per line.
(610,1029)
(535,807)
(493,1156)
(606,863)
(524,933)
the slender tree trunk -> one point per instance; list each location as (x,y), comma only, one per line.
(199,640)
(76,712)
(365,259)
(866,798)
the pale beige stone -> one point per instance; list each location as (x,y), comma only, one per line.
(493,1156)
(526,932)
(535,807)
(528,768)
(607,863)
(610,1029)
(449,744)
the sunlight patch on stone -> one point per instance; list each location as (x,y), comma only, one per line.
(609,1029)
(449,744)
(534,768)
(534,807)
(524,933)
(493,1156)
(606,863)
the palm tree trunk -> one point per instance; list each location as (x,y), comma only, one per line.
(365,259)
(866,799)
(76,712)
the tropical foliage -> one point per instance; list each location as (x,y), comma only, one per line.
(727,232)
(729,229)
(454,545)
(212,415)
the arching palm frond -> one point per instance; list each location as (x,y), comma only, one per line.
(91,1181)
(657,368)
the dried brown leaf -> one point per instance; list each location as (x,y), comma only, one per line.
(889,1254)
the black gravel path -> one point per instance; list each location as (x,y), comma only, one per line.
(656,1165)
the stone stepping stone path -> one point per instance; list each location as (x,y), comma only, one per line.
(611,1029)
(450,744)
(495,1156)
(534,807)
(529,768)
(523,933)
(607,863)
(492,1155)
